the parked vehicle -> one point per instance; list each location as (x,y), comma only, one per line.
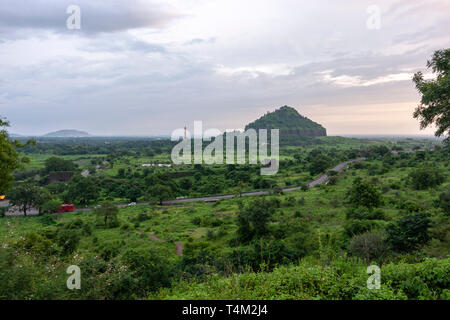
(132,204)
(66,208)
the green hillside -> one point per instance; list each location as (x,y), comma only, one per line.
(289,122)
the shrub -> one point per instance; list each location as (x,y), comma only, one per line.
(364,194)
(444,201)
(424,178)
(354,227)
(68,240)
(369,246)
(409,233)
(363,213)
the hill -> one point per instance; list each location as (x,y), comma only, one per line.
(67,134)
(15,135)
(290,123)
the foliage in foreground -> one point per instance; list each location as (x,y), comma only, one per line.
(342,279)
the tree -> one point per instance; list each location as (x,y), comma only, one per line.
(25,196)
(318,162)
(160,192)
(43,197)
(409,232)
(434,105)
(133,192)
(424,178)
(362,193)
(253,219)
(82,190)
(444,201)
(10,159)
(55,164)
(51,206)
(107,212)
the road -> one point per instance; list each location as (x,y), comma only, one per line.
(320,180)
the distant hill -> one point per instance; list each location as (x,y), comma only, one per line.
(67,134)
(290,123)
(15,135)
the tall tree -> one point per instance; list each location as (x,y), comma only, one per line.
(58,164)
(363,193)
(82,190)
(108,213)
(434,106)
(25,196)
(10,159)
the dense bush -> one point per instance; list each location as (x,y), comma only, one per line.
(364,213)
(369,246)
(424,178)
(409,232)
(340,280)
(363,193)
(444,201)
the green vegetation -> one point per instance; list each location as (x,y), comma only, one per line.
(312,243)
(10,159)
(434,106)
(290,123)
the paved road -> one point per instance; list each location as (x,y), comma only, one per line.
(320,180)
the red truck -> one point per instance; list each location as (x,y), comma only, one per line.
(66,208)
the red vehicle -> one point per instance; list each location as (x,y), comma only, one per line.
(66,208)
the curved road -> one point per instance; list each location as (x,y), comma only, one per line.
(320,180)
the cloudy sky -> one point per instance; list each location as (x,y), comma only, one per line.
(139,67)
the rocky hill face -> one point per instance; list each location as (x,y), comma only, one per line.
(290,123)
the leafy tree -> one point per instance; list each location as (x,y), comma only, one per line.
(355,226)
(409,233)
(51,206)
(424,178)
(82,190)
(435,102)
(160,192)
(150,270)
(54,164)
(133,192)
(43,197)
(318,162)
(107,213)
(444,201)
(185,183)
(25,196)
(253,219)
(56,187)
(10,159)
(363,193)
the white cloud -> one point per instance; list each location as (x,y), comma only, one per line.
(154,68)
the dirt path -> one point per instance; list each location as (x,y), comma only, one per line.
(180,247)
(154,237)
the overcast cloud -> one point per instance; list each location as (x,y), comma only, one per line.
(149,67)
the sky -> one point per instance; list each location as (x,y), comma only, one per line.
(138,67)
